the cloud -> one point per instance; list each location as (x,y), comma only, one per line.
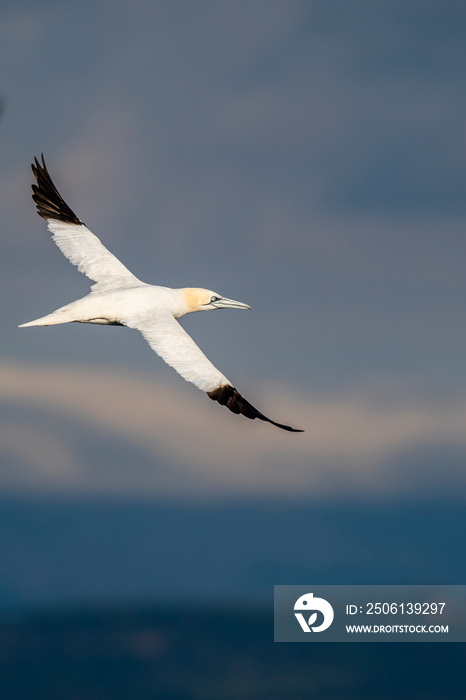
(44,458)
(354,442)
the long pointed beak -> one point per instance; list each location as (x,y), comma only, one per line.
(224,303)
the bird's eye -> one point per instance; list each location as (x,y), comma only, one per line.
(214,299)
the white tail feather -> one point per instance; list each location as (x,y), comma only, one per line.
(52,319)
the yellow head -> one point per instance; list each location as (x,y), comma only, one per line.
(197,299)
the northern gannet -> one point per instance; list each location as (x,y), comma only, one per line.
(119,298)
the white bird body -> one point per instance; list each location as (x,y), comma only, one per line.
(119,305)
(120,298)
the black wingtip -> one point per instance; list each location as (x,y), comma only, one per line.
(49,202)
(228,396)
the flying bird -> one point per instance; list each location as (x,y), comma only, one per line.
(119,298)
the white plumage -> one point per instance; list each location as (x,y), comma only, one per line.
(85,250)
(117,297)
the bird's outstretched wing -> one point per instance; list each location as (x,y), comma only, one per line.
(169,340)
(76,242)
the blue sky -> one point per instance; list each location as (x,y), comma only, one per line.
(306,158)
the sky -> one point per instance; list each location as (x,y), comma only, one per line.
(306,158)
